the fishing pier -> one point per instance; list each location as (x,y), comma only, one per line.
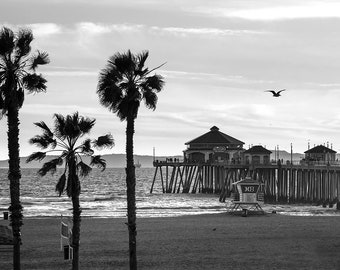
(214,161)
(279,183)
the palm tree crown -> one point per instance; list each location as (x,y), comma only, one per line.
(125,82)
(17,68)
(64,139)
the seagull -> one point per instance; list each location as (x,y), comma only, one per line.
(276,94)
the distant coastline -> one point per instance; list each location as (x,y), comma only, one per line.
(112,161)
(146,161)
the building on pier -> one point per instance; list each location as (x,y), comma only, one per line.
(214,146)
(320,153)
(257,155)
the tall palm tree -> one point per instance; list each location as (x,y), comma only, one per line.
(64,138)
(122,86)
(17,73)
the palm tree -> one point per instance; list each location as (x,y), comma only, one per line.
(65,139)
(17,73)
(122,86)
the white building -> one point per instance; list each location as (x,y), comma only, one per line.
(214,146)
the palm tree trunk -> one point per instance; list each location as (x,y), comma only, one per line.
(76,232)
(131,192)
(76,212)
(14,176)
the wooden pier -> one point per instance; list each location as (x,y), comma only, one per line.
(318,184)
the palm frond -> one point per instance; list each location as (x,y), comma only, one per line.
(60,186)
(111,70)
(86,124)
(6,97)
(150,99)
(141,59)
(85,147)
(110,94)
(155,68)
(50,166)
(127,108)
(23,42)
(105,141)
(71,128)
(64,154)
(20,97)
(41,58)
(125,63)
(155,82)
(6,41)
(5,86)
(34,83)
(44,127)
(36,156)
(2,102)
(43,141)
(59,125)
(84,169)
(98,161)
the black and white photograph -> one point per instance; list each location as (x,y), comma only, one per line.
(184,135)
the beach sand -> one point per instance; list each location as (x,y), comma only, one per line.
(219,241)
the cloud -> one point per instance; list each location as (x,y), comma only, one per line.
(43,29)
(82,31)
(337,85)
(38,29)
(287,11)
(210,32)
(290,12)
(100,28)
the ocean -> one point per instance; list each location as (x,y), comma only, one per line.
(103,194)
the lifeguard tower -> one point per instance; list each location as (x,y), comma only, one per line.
(247,196)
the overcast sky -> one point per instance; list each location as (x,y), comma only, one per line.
(220,58)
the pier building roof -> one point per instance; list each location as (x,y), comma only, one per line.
(257,149)
(320,149)
(215,136)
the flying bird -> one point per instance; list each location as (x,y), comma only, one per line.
(276,94)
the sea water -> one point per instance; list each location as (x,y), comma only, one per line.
(103,194)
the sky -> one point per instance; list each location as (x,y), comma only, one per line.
(220,58)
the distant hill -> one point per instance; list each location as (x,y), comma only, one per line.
(112,161)
(282,154)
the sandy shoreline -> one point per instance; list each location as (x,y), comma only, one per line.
(219,241)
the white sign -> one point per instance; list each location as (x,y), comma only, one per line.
(219,149)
